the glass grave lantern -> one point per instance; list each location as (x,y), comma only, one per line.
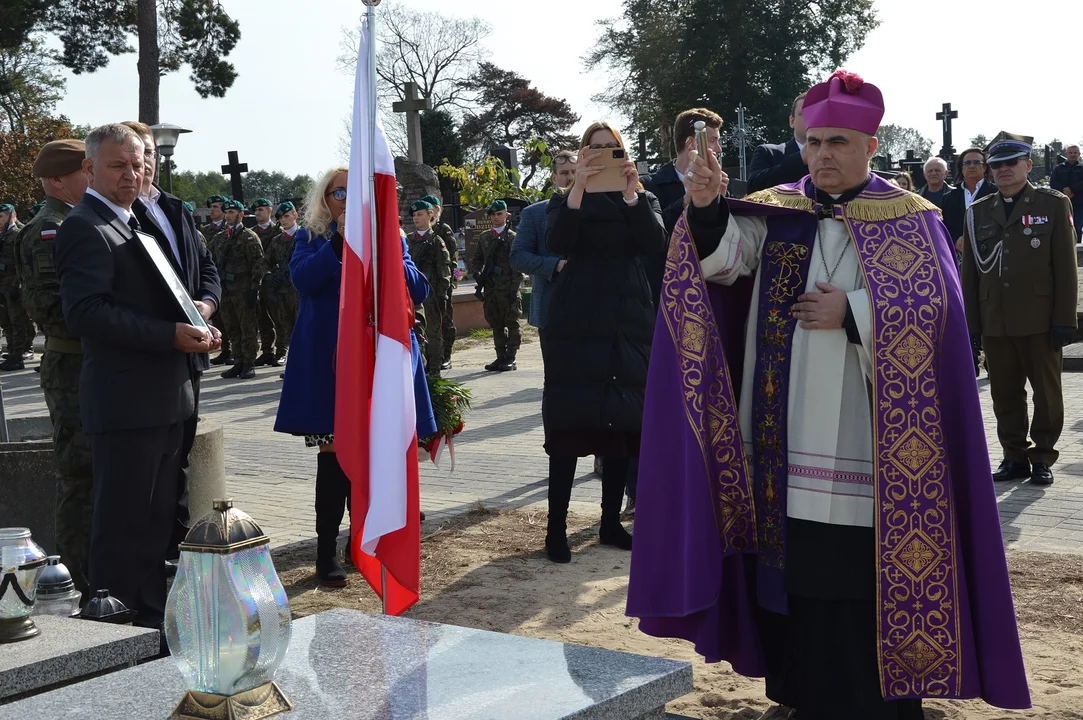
(56,590)
(227,619)
(21,562)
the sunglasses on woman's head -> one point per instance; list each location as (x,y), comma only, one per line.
(997,164)
(338,194)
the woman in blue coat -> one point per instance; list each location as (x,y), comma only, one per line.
(307,403)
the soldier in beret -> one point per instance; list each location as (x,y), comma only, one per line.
(444,231)
(241,269)
(215,234)
(216,205)
(270,345)
(430,255)
(1020,286)
(59,166)
(498,287)
(278,291)
(17,326)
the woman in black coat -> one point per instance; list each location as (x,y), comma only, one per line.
(597,341)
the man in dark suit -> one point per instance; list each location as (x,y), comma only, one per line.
(780,164)
(135,390)
(667,183)
(973,186)
(174,227)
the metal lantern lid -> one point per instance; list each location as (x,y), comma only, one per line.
(103,607)
(224,530)
(55,580)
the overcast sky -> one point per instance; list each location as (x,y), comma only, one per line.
(286,110)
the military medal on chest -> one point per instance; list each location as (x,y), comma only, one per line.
(1028,222)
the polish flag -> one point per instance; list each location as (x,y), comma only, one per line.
(375,423)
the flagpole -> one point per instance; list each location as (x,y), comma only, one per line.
(370,22)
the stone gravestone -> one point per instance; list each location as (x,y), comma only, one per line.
(28,479)
(412,106)
(417,180)
(234,170)
(945,116)
(475,224)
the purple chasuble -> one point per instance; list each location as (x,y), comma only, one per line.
(710,540)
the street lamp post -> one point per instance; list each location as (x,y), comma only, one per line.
(165,139)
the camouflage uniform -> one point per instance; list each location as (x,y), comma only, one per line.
(210,232)
(431,257)
(491,266)
(60,369)
(278,290)
(445,233)
(241,269)
(16,324)
(267,325)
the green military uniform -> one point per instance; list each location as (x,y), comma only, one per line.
(448,236)
(500,285)
(61,366)
(241,270)
(278,290)
(430,255)
(267,335)
(209,232)
(18,329)
(1020,288)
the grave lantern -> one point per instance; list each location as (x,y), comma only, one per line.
(227,619)
(21,562)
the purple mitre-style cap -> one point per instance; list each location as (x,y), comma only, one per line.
(844,101)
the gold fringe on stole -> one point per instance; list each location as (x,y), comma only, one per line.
(866,207)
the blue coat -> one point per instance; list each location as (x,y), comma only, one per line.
(307,404)
(530,255)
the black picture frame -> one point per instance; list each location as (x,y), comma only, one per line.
(172,281)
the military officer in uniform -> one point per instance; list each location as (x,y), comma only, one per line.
(1020,288)
(498,287)
(266,229)
(241,269)
(59,165)
(212,230)
(448,236)
(18,329)
(278,290)
(429,253)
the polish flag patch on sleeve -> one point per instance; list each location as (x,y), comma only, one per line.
(48,234)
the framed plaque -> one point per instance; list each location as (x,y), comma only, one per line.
(172,281)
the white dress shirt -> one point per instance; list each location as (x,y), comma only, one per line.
(120,212)
(970,196)
(158,216)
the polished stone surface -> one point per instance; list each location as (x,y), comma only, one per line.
(346,664)
(67,650)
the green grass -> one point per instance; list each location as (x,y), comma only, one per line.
(481,334)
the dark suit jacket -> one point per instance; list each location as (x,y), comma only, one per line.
(775,165)
(665,185)
(114,299)
(197,270)
(955,207)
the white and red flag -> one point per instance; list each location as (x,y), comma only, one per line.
(375,423)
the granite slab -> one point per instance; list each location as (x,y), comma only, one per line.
(68,650)
(344,663)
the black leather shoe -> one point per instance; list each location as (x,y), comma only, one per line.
(1012,470)
(506,365)
(1042,474)
(247,372)
(494,366)
(222,359)
(232,372)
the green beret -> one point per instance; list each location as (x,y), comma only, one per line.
(497,206)
(7,207)
(233,205)
(262,202)
(36,208)
(217,199)
(59,158)
(190,206)
(432,200)
(284,208)
(420,205)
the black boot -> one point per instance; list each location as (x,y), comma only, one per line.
(233,372)
(561,475)
(13,362)
(494,366)
(508,363)
(224,358)
(614,476)
(331,493)
(247,372)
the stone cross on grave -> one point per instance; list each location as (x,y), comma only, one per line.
(234,170)
(412,106)
(913,165)
(946,116)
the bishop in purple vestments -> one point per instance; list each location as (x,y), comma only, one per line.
(816,506)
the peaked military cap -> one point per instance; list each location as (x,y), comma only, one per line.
(59,158)
(1008,146)
(432,200)
(420,205)
(217,199)
(497,206)
(261,202)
